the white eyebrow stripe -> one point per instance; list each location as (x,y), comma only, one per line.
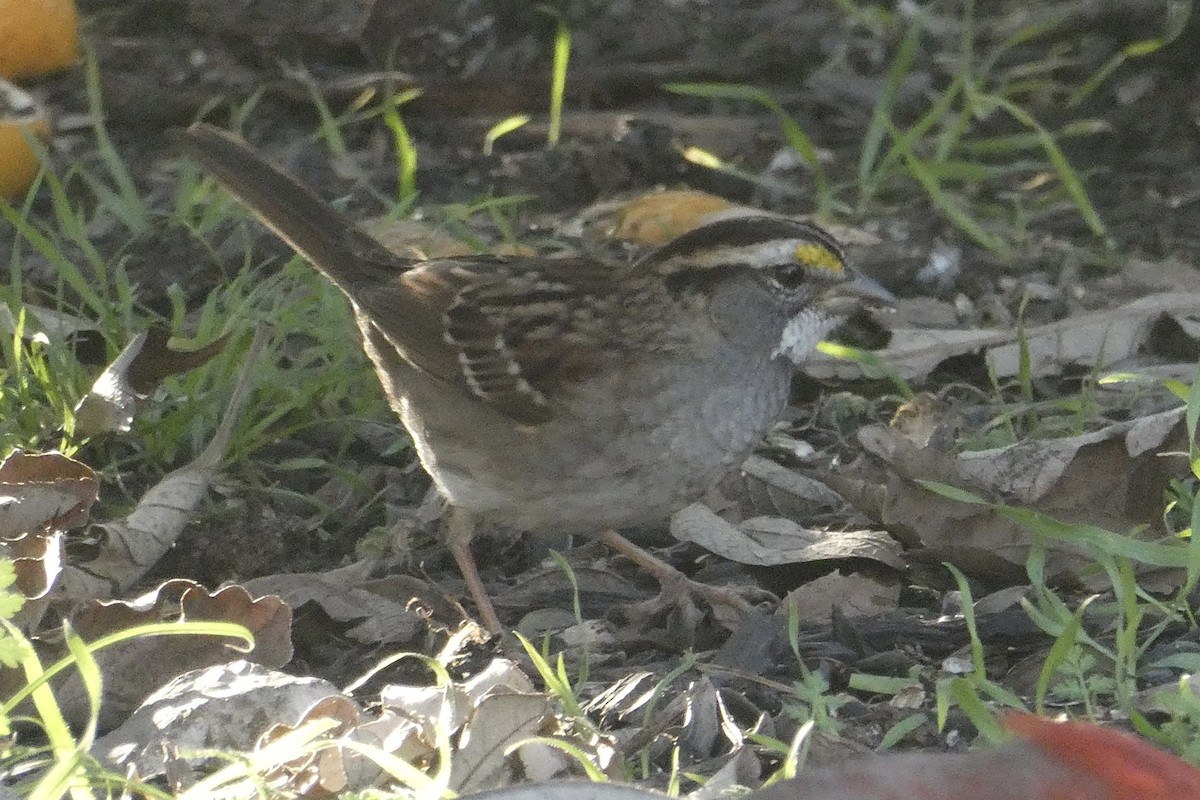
(776,252)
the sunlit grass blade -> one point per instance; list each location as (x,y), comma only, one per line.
(127,197)
(895,734)
(1066,641)
(501,128)
(406,150)
(873,366)
(1009,144)
(904,142)
(223,629)
(796,138)
(558,72)
(1177,14)
(949,207)
(881,113)
(1066,173)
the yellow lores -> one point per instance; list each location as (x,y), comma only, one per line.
(816,256)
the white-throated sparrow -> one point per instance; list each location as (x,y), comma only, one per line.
(565,395)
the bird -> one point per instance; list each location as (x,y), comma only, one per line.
(571,395)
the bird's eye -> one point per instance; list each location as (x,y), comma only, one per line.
(789,276)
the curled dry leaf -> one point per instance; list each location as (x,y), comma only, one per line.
(764,488)
(43,324)
(853,595)
(132,546)
(740,769)
(37,562)
(709,730)
(771,541)
(40,496)
(132,376)
(380,612)
(45,491)
(222,707)
(1095,338)
(496,724)
(1112,478)
(129,548)
(327,771)
(485,717)
(136,667)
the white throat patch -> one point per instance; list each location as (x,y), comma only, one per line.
(802,333)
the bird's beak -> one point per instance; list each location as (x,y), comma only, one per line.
(857,291)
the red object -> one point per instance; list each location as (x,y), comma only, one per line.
(1047,761)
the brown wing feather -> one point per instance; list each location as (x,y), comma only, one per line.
(516,355)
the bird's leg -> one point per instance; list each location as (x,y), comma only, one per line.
(677,588)
(460,527)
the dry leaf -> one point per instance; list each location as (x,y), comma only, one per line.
(853,595)
(771,541)
(132,546)
(1112,478)
(129,379)
(45,491)
(329,770)
(497,723)
(37,560)
(1099,337)
(45,324)
(346,595)
(137,667)
(223,707)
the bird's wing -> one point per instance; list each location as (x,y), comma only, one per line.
(510,334)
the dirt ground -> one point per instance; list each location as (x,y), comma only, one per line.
(163,64)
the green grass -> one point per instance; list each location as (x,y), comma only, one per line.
(949,154)
(68,767)
(1080,667)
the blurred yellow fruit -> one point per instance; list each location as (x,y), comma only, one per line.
(37,37)
(20,118)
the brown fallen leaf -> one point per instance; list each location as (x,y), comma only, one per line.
(497,723)
(44,491)
(130,547)
(1095,338)
(228,706)
(132,376)
(376,611)
(41,495)
(37,562)
(328,771)
(853,595)
(135,668)
(771,541)
(1111,478)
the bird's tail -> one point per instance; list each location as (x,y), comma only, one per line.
(311,226)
